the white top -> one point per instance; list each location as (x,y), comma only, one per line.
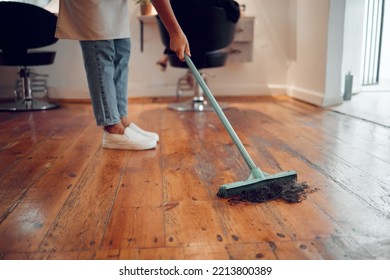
(53,6)
(93,19)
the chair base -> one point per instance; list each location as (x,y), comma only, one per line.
(28,105)
(194,105)
(198,103)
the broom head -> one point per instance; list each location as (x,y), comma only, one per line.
(251,186)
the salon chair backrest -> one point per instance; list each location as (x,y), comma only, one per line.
(207,28)
(25,26)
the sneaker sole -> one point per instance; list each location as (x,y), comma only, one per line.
(121,146)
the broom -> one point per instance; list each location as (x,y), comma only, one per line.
(258,182)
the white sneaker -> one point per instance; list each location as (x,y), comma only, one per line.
(130,140)
(149,134)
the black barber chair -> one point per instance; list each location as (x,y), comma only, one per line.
(24,27)
(209,33)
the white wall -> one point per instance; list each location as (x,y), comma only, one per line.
(334,54)
(290,55)
(307,70)
(353,42)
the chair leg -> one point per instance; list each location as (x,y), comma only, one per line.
(38,84)
(184,83)
(198,103)
(27,103)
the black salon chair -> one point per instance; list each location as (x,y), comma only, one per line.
(24,27)
(209,33)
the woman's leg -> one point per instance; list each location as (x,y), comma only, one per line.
(121,62)
(99,62)
(106,69)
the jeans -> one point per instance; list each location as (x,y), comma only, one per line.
(106,66)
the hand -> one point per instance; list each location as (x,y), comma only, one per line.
(179,45)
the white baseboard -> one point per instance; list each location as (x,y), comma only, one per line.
(170,91)
(239,90)
(68,93)
(309,96)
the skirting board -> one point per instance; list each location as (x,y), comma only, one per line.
(312,97)
(170,91)
(309,96)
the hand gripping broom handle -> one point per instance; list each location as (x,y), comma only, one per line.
(254,169)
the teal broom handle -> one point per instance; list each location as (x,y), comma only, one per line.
(221,114)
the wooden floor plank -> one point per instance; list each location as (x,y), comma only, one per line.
(348,178)
(64,197)
(33,167)
(179,163)
(83,218)
(252,251)
(40,204)
(246,223)
(162,253)
(296,250)
(193,223)
(215,252)
(315,151)
(137,219)
(135,227)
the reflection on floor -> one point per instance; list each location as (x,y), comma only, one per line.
(370,106)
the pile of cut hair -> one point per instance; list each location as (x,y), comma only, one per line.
(293,192)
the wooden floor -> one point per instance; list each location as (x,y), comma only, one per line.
(369,106)
(64,197)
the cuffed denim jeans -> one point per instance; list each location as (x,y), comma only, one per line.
(106,66)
